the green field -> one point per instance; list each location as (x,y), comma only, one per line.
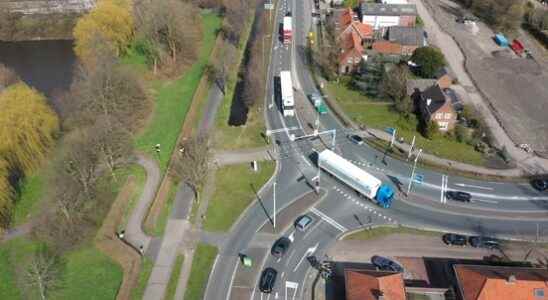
(82,272)
(380,115)
(174,279)
(146,268)
(204,256)
(386,230)
(173,98)
(235,188)
(28,202)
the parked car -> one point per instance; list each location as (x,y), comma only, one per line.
(540,184)
(303,222)
(458,196)
(356,139)
(483,242)
(454,239)
(268,279)
(385,264)
(280,247)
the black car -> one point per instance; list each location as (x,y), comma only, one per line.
(268,279)
(280,247)
(356,139)
(385,264)
(458,196)
(540,184)
(483,242)
(454,239)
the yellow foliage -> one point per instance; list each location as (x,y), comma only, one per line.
(27,127)
(109,25)
(6,194)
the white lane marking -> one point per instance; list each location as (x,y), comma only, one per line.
(291,236)
(444,180)
(475,186)
(328,219)
(308,252)
(312,229)
(232,281)
(486,201)
(291,285)
(306,161)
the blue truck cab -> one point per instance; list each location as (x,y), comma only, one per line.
(384,196)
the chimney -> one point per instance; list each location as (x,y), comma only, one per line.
(511,278)
(428,101)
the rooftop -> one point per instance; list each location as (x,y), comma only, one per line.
(409,36)
(379,9)
(493,282)
(371,284)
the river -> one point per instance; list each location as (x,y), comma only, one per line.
(46,65)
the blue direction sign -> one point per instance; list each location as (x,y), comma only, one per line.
(419,178)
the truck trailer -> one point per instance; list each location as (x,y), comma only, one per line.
(288,104)
(287,29)
(358,179)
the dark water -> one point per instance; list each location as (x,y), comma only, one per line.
(45,65)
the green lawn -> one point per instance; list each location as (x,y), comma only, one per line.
(146,268)
(173,98)
(161,223)
(86,273)
(204,256)
(248,135)
(174,279)
(386,230)
(234,191)
(89,274)
(28,203)
(380,115)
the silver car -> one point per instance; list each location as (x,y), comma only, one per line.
(303,222)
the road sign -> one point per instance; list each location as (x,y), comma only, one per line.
(419,178)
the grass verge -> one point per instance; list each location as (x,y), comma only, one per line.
(368,234)
(173,98)
(161,222)
(235,188)
(28,202)
(174,279)
(146,269)
(201,267)
(380,115)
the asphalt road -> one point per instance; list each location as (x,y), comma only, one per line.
(511,210)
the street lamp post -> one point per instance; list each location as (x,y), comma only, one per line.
(413,172)
(274,196)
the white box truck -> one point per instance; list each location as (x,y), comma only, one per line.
(358,179)
(288,104)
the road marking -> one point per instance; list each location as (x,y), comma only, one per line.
(486,201)
(308,252)
(444,181)
(475,186)
(291,236)
(291,285)
(328,219)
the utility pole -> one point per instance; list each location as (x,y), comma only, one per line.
(413,172)
(411,149)
(274,196)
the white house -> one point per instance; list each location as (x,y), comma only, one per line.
(394,2)
(381,15)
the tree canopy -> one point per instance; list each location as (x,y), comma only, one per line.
(28,127)
(429,59)
(109,25)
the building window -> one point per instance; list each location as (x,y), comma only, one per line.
(438,116)
(448,116)
(443,125)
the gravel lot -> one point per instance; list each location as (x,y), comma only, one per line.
(516,88)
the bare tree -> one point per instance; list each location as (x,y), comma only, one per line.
(192,164)
(113,143)
(43,273)
(219,70)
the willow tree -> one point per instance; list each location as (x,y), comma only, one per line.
(27,128)
(108,27)
(6,194)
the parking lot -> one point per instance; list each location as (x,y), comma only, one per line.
(516,88)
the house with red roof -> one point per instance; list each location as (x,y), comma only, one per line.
(353,36)
(373,285)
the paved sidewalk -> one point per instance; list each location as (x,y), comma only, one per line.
(134,231)
(231,157)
